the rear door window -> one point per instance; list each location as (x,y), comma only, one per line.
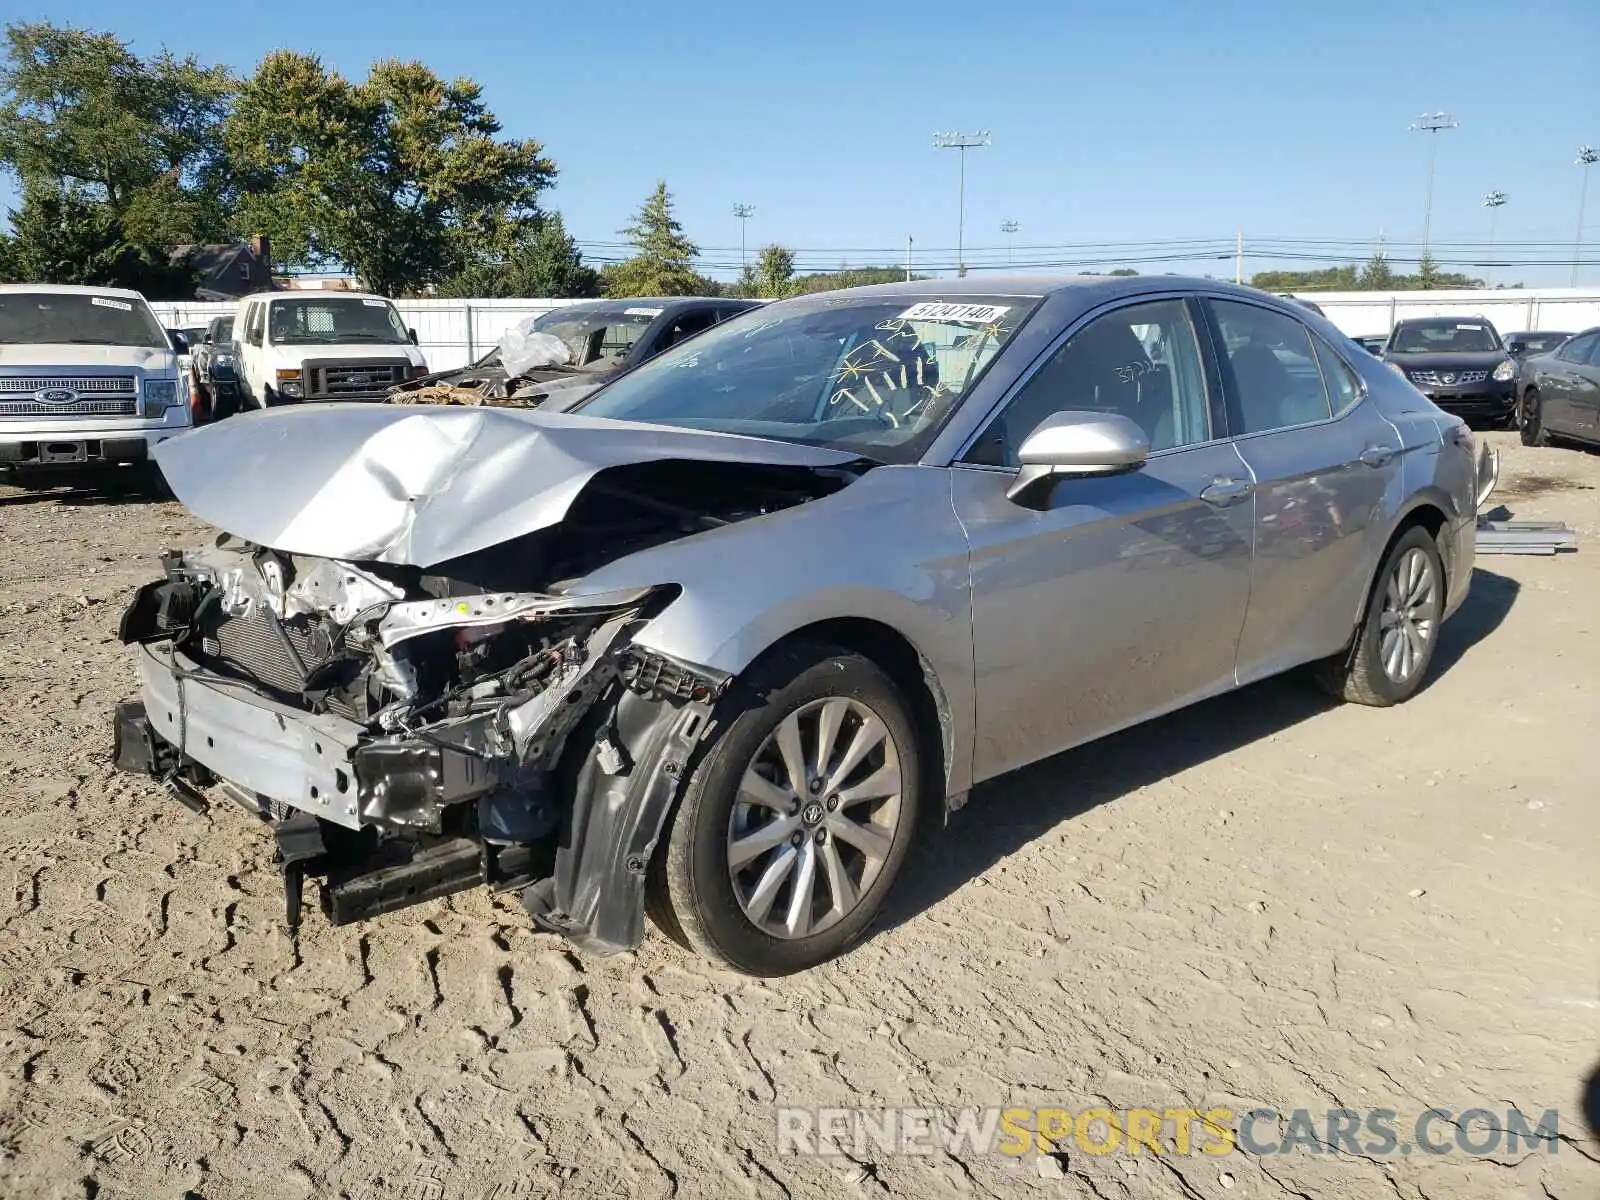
(1276,382)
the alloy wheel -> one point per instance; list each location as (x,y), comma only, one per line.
(815,817)
(1408,622)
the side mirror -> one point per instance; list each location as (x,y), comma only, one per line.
(180,344)
(1078,443)
(1518,348)
(412,334)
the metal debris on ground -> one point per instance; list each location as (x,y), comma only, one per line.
(1524,537)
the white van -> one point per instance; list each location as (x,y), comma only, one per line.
(88,377)
(295,346)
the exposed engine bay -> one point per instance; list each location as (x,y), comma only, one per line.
(410,731)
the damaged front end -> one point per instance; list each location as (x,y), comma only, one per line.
(407,734)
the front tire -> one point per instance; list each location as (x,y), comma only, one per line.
(797,820)
(1530,420)
(1393,647)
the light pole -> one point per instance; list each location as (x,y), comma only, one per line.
(744,212)
(1009,228)
(1431,124)
(1587,157)
(961,142)
(1494,201)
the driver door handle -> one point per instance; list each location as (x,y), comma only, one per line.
(1377,456)
(1224,491)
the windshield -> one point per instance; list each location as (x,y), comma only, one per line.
(328,319)
(76,319)
(876,376)
(222,329)
(598,337)
(1539,343)
(1445,337)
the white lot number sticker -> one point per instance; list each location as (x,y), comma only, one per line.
(933,310)
(641,312)
(121,305)
(376,303)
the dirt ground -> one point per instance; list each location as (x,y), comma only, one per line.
(1264,901)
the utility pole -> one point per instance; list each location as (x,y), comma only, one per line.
(1587,157)
(908,258)
(961,142)
(1494,201)
(1009,228)
(1431,124)
(744,212)
(1238,258)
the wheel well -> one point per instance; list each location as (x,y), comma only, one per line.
(888,648)
(1433,520)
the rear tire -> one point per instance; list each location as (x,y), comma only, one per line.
(770,876)
(1393,647)
(1530,420)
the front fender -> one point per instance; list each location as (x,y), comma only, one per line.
(887,548)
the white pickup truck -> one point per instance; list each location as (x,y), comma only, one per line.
(88,377)
(295,346)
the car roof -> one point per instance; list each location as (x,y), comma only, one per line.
(314,294)
(69,289)
(1040,286)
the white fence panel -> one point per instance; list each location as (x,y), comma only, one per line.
(453,333)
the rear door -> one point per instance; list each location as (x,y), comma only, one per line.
(1327,469)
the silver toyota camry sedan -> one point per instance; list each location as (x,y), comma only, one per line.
(712,643)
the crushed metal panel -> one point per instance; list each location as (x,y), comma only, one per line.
(416,486)
(1525,537)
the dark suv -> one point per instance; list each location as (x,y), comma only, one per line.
(1457,362)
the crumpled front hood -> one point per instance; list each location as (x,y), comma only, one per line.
(418,487)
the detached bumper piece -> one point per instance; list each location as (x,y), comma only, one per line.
(1525,537)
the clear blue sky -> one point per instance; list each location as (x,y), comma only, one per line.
(1110,121)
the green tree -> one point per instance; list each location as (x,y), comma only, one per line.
(663,258)
(773,271)
(545,262)
(118,157)
(1427,277)
(1377,275)
(400,178)
(847,277)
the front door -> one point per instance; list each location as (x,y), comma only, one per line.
(1327,469)
(1110,599)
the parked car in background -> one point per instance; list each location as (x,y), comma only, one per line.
(1540,341)
(1459,363)
(602,339)
(1372,343)
(88,377)
(215,375)
(716,641)
(292,347)
(1561,392)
